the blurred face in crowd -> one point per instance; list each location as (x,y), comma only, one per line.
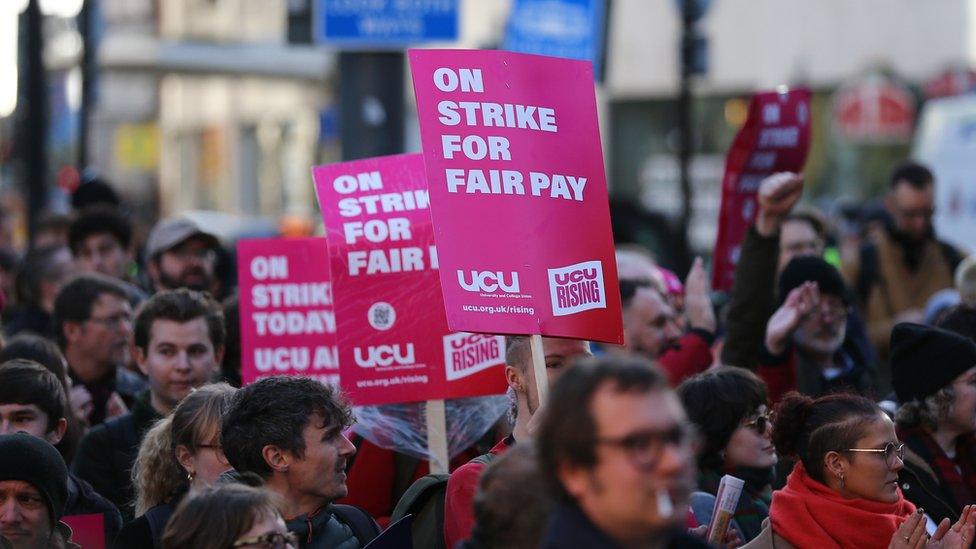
(650,325)
(319,474)
(797,238)
(911,209)
(24,518)
(104,337)
(30,419)
(751,444)
(870,475)
(179,357)
(962,413)
(822,332)
(559,353)
(267,523)
(189,264)
(102,253)
(645,464)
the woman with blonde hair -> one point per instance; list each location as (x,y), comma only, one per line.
(180,454)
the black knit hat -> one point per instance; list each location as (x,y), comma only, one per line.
(925,359)
(810,268)
(34,461)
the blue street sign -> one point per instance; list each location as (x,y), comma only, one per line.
(560,28)
(378,23)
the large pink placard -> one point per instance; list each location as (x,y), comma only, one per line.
(394,342)
(518,193)
(775,138)
(287,320)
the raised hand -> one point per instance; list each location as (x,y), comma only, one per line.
(959,535)
(698,302)
(798,305)
(911,533)
(778,193)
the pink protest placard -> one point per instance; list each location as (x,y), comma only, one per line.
(775,138)
(287,320)
(518,193)
(88,531)
(394,343)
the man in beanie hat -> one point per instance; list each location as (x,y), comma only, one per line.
(934,375)
(805,338)
(180,254)
(33,491)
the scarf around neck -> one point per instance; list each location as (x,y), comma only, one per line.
(807,513)
(959,482)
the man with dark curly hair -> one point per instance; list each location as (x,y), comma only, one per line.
(289,431)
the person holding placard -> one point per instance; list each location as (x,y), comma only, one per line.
(459,497)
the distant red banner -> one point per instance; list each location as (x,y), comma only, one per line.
(287,321)
(394,343)
(775,138)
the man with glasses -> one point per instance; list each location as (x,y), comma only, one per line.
(902,263)
(93,323)
(805,347)
(180,254)
(618,454)
(179,341)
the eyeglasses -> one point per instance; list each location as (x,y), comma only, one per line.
(271,540)
(113,320)
(644,448)
(760,423)
(889,451)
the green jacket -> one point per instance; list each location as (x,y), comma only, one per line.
(322,530)
(753,300)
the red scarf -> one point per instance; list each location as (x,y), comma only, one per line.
(808,514)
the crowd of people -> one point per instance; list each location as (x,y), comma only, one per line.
(840,388)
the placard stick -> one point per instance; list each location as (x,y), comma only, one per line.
(437,436)
(539,369)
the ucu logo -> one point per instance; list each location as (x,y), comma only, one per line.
(487,281)
(576,276)
(384,355)
(577,288)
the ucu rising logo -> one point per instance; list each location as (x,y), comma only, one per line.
(489,282)
(577,288)
(384,355)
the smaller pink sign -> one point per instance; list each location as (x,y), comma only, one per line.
(775,138)
(88,531)
(394,343)
(287,319)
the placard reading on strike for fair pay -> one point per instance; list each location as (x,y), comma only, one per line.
(394,343)
(775,138)
(518,193)
(287,321)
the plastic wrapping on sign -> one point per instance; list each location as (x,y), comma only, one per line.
(403,427)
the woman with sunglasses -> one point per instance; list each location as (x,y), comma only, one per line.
(937,416)
(181,453)
(729,407)
(228,516)
(843,491)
